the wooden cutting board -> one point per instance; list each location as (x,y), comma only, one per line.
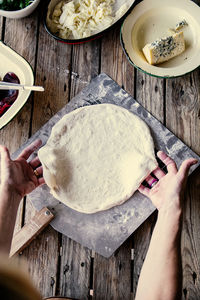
(105,231)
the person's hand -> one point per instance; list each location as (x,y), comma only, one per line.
(19,176)
(167,190)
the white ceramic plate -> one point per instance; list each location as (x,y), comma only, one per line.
(10,61)
(151,19)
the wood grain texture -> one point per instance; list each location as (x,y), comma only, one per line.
(58,265)
(51,72)
(18,35)
(190,239)
(114,62)
(150,94)
(42,258)
(85,65)
(74,269)
(112,277)
(75,260)
(182,118)
(183,109)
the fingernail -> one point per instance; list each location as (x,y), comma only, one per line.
(159,152)
(195,162)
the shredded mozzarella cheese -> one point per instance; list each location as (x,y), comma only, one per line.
(81,18)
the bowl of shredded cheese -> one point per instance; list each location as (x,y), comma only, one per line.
(77,21)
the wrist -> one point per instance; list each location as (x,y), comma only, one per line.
(172,209)
(170,220)
(8,193)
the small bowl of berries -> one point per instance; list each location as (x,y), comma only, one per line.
(8,97)
(14,69)
(16,9)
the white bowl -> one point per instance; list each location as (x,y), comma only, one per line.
(149,20)
(70,40)
(10,61)
(21,13)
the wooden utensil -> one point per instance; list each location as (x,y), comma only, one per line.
(25,236)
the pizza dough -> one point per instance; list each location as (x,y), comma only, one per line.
(96,157)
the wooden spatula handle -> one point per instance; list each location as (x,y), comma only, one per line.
(30,230)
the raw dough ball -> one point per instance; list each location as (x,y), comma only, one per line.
(97,156)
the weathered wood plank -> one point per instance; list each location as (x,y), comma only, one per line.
(75,259)
(113,274)
(114,62)
(52,72)
(74,269)
(183,109)
(183,106)
(19,35)
(149,93)
(190,240)
(112,277)
(42,258)
(85,65)
(155,105)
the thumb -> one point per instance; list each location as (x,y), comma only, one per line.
(185,167)
(5,156)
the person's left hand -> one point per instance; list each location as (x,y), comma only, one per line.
(19,176)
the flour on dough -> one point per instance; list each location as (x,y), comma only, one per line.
(97,156)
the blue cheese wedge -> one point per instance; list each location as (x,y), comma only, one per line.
(164,49)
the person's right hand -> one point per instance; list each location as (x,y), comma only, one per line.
(168,191)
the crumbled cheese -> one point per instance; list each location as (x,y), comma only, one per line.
(81,18)
(180,25)
(164,49)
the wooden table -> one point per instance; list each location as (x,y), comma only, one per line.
(57,264)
